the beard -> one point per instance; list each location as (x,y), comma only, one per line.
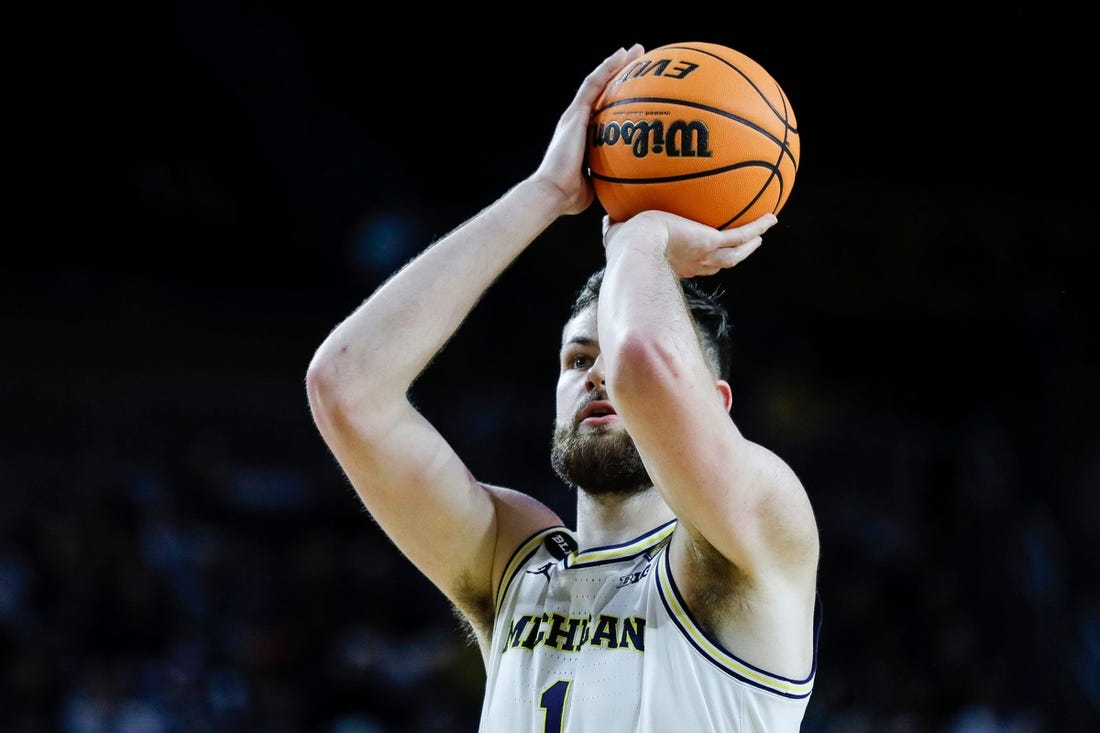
(598,462)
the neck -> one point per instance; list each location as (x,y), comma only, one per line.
(614,518)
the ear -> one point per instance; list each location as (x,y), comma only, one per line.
(726,392)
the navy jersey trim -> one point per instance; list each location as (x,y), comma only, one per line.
(721,657)
(519,559)
(608,554)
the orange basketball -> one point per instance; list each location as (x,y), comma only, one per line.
(696,129)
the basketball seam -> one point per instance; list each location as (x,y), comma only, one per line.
(781,117)
(696,174)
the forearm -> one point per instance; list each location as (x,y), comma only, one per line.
(646,258)
(641,303)
(380,349)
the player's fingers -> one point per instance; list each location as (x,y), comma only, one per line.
(727,257)
(598,78)
(746,232)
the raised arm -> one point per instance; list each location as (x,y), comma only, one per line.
(452,527)
(734,498)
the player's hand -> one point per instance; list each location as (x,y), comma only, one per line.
(692,248)
(563,163)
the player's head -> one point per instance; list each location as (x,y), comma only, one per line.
(596,454)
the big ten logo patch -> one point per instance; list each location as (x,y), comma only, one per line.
(560,544)
(625,580)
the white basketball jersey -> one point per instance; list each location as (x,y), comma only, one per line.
(600,641)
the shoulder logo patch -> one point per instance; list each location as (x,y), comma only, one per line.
(560,544)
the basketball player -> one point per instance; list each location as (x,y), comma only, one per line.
(685,598)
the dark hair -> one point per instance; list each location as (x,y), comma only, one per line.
(712,322)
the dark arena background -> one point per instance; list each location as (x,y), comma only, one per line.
(196,193)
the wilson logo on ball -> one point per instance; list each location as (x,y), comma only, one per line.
(683,139)
(696,129)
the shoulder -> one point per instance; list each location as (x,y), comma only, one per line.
(519,518)
(519,515)
(524,503)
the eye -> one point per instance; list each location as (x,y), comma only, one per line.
(579,361)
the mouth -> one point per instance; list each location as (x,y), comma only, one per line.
(598,412)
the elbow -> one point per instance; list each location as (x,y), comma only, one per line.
(349,395)
(329,393)
(348,408)
(640,362)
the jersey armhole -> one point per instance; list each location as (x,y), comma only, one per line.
(718,655)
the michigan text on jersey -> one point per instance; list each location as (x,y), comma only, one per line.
(571,633)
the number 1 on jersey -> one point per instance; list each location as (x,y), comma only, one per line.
(553,702)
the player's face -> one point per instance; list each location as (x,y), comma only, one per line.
(591,450)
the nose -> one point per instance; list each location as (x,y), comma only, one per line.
(595,377)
